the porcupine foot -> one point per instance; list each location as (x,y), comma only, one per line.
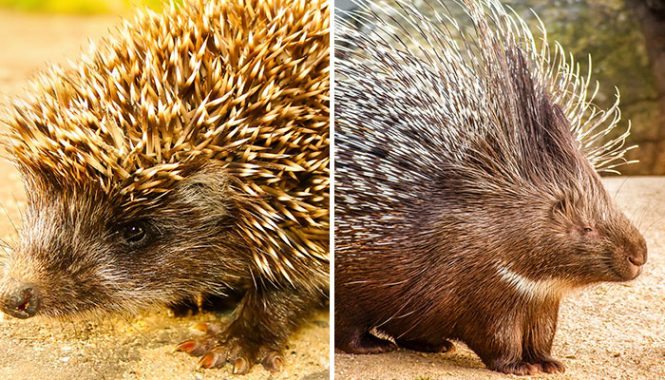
(365,343)
(549,365)
(518,368)
(522,368)
(421,346)
(263,321)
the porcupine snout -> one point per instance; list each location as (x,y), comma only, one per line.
(20,300)
(636,255)
(627,250)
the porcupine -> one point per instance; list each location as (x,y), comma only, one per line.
(186,154)
(468,200)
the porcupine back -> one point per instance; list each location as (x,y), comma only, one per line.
(425,97)
(241,84)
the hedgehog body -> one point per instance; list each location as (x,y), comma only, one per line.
(185,154)
(467,198)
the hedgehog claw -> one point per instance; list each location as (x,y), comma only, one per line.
(216,351)
(212,359)
(186,346)
(273,362)
(196,347)
(240,366)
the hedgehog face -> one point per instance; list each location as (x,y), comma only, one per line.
(592,240)
(81,253)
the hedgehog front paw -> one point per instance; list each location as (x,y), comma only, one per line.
(242,356)
(219,347)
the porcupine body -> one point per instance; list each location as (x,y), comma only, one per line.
(467,198)
(186,154)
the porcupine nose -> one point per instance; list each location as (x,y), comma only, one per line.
(20,300)
(637,257)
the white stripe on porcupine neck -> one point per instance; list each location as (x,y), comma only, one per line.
(532,289)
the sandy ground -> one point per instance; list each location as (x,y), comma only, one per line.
(117,348)
(610,331)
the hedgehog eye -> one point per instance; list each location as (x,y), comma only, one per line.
(587,230)
(134,234)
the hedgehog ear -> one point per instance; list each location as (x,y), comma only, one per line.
(206,187)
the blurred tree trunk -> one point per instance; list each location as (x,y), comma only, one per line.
(651,17)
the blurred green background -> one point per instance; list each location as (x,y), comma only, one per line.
(78,6)
(626,40)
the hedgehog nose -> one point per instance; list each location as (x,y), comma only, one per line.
(20,301)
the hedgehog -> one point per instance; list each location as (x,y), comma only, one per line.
(185,154)
(468,200)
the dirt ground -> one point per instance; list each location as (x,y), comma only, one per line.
(609,331)
(115,348)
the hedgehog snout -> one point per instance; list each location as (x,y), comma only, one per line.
(20,300)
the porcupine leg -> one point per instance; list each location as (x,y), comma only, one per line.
(501,347)
(352,334)
(264,320)
(358,341)
(423,346)
(539,336)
